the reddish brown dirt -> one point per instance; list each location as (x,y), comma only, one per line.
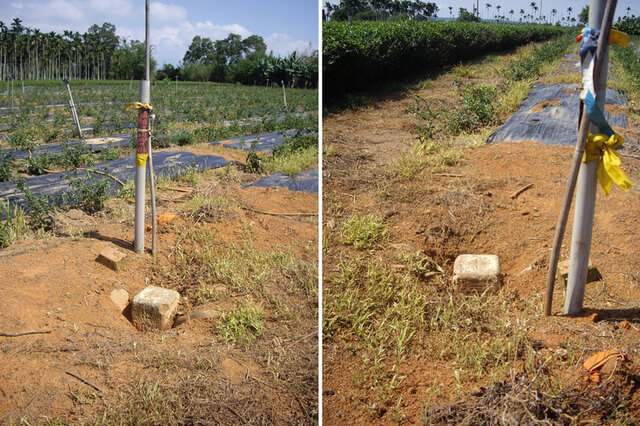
(54,283)
(468,208)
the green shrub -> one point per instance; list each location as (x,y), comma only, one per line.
(76,155)
(41,209)
(182,138)
(6,167)
(366,52)
(88,193)
(255,163)
(478,109)
(110,153)
(38,165)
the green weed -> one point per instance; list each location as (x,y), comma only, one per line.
(242,325)
(12,225)
(362,232)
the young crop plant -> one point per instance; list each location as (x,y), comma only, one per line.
(422,111)
(6,167)
(88,193)
(74,156)
(41,209)
(478,109)
(110,153)
(255,163)
(362,232)
(40,164)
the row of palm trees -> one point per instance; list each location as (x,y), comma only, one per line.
(535,16)
(29,54)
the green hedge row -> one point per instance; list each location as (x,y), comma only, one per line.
(367,52)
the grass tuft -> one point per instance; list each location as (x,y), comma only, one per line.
(363,231)
(242,325)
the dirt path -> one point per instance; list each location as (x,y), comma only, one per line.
(460,204)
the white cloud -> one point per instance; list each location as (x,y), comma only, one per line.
(172,41)
(217,32)
(99,9)
(166,12)
(284,44)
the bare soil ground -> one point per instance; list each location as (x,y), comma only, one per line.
(222,253)
(439,365)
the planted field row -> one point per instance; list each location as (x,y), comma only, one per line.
(355,56)
(628,57)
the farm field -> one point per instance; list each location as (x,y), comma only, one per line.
(243,257)
(410,183)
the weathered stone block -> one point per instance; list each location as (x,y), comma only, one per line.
(475,273)
(120,297)
(563,272)
(111,258)
(154,308)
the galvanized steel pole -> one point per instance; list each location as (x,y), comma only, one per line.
(142,151)
(284,94)
(600,17)
(576,165)
(74,113)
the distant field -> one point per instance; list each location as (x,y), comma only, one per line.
(42,111)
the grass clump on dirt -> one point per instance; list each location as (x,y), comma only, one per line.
(387,315)
(298,153)
(242,325)
(13,223)
(362,232)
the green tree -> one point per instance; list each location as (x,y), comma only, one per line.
(583,17)
(465,16)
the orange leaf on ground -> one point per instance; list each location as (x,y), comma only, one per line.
(598,360)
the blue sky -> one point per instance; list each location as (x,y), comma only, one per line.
(285,25)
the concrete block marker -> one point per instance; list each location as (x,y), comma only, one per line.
(120,298)
(563,272)
(154,308)
(111,258)
(475,273)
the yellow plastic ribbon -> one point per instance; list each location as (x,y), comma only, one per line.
(138,105)
(615,37)
(600,147)
(141,160)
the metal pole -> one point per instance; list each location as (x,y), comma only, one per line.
(142,149)
(587,179)
(146,41)
(74,114)
(573,174)
(284,94)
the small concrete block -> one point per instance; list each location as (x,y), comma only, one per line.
(563,272)
(111,258)
(475,273)
(120,297)
(154,308)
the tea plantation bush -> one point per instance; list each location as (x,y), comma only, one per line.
(372,51)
